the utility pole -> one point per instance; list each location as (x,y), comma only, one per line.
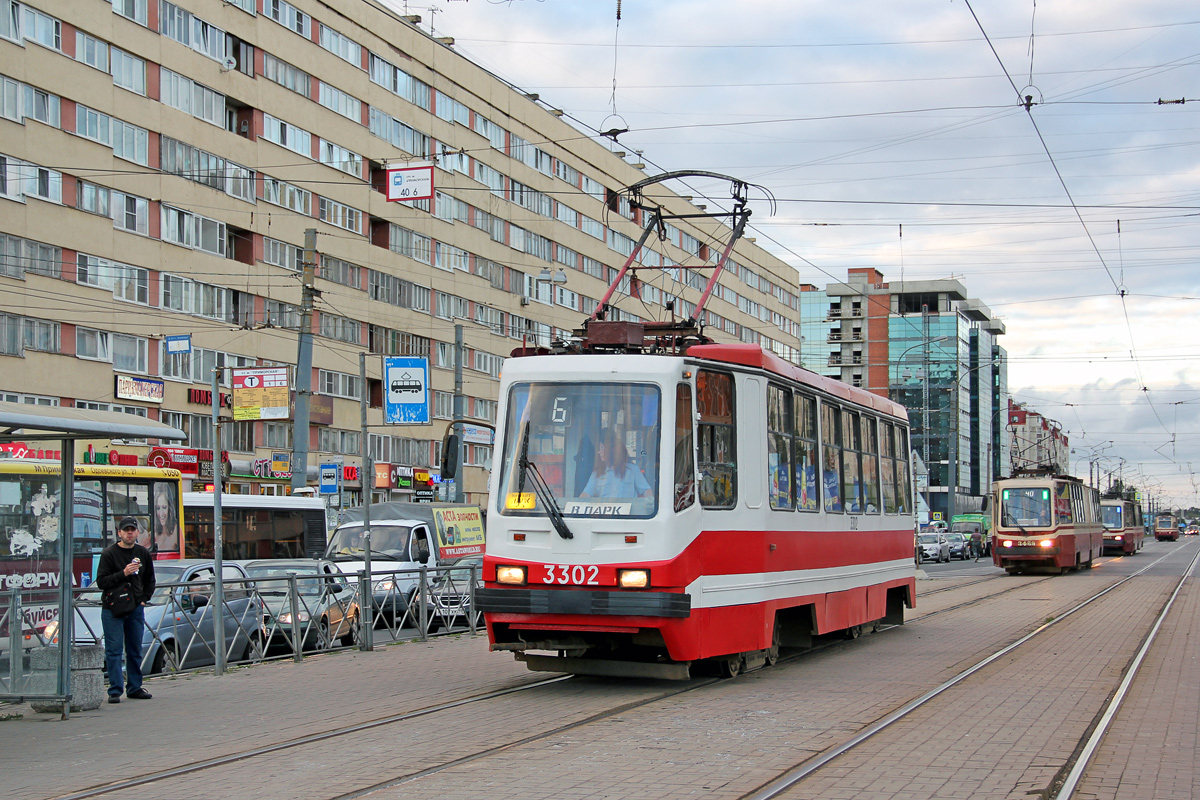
(300,430)
(459,412)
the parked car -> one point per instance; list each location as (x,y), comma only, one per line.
(448,601)
(326,606)
(960,547)
(181,632)
(933,547)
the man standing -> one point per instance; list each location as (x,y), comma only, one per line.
(126,576)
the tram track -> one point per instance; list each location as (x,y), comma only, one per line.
(1067,779)
(163,777)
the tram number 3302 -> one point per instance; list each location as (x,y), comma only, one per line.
(577,575)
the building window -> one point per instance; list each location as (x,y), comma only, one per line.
(132,9)
(343,216)
(288,16)
(339,102)
(285,194)
(126,282)
(192,230)
(128,72)
(287,135)
(286,75)
(338,384)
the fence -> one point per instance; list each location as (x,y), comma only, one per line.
(263,618)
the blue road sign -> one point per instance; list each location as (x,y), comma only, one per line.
(406,387)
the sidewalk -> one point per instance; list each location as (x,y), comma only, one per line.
(196,716)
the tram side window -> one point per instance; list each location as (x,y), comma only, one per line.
(851,469)
(805,408)
(904,495)
(870,466)
(685,455)
(887,466)
(779,447)
(1062,502)
(831,456)
(717,453)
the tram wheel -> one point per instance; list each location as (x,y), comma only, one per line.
(772,654)
(853,632)
(730,667)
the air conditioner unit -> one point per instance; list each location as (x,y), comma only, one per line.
(244,128)
(524,301)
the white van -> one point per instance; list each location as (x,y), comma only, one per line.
(403,537)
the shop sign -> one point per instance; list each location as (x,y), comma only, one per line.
(383,476)
(320,409)
(21,450)
(187,460)
(203,397)
(146,390)
(262,468)
(111,457)
(349,473)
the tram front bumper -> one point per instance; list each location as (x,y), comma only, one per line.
(587,602)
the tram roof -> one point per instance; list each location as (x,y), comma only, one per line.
(752,355)
(20,421)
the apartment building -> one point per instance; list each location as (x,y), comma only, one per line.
(161,162)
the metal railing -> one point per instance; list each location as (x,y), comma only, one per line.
(263,618)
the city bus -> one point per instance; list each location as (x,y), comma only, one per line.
(255,526)
(29,517)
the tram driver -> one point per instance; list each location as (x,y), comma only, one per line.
(615,475)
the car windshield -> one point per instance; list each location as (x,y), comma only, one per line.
(594,446)
(387,541)
(460,571)
(273,580)
(164,575)
(928,538)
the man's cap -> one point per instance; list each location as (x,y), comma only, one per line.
(128,522)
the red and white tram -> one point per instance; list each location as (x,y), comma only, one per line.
(1124,527)
(651,511)
(1166,527)
(1045,522)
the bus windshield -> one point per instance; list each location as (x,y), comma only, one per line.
(594,445)
(1112,517)
(1025,507)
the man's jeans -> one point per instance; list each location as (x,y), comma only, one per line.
(123,633)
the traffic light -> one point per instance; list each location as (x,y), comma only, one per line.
(450,456)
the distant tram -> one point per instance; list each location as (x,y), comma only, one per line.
(1045,523)
(660,502)
(1166,527)
(1124,527)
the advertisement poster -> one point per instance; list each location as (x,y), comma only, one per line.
(459,532)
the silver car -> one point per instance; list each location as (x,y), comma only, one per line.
(324,609)
(933,547)
(181,631)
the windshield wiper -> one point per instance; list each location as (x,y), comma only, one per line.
(528,469)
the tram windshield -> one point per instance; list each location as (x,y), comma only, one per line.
(1025,507)
(1165,522)
(1113,517)
(594,445)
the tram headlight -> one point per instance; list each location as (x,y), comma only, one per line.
(1119,537)
(513,575)
(1046,543)
(633,578)
(1007,543)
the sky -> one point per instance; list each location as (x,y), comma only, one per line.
(895,136)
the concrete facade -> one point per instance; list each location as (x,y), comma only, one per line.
(162,162)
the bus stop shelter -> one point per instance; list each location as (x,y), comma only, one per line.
(32,423)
